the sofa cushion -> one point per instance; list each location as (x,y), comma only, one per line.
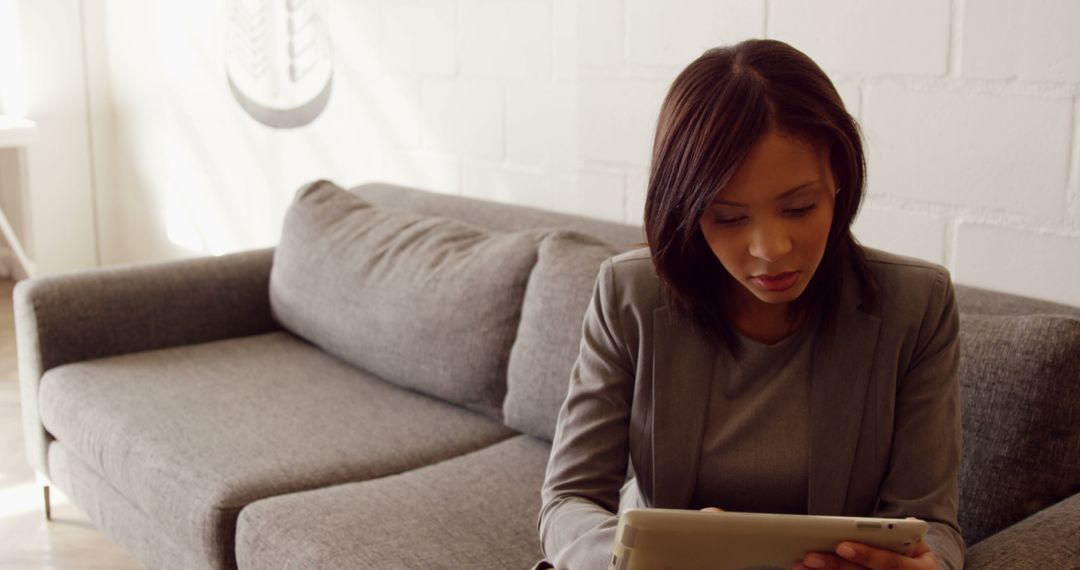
(1020,384)
(195,433)
(497,215)
(135,530)
(428,303)
(475,511)
(1046,539)
(973,300)
(549,337)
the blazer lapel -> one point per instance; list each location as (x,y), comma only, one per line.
(843,360)
(683,368)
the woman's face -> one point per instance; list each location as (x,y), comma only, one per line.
(769,225)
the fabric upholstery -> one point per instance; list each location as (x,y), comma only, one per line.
(428,303)
(103,312)
(118,518)
(476,511)
(1020,384)
(193,434)
(1047,539)
(549,336)
(496,216)
(976,301)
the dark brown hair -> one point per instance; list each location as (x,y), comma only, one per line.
(716,109)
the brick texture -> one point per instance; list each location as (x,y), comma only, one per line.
(602,27)
(637,184)
(435,171)
(588,193)
(542,122)
(463,116)
(848,36)
(620,119)
(420,36)
(971,111)
(994,151)
(506,38)
(677,31)
(1018,38)
(906,233)
(1024,262)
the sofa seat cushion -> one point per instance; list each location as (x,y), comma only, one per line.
(132,528)
(429,303)
(549,337)
(475,511)
(1020,384)
(195,433)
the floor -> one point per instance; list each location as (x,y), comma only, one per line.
(27,540)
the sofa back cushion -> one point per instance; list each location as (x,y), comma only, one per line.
(428,303)
(1020,384)
(497,215)
(549,337)
(976,301)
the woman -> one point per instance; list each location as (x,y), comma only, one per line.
(755,357)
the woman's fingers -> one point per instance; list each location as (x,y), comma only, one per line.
(852,556)
(824,561)
(877,559)
(712,510)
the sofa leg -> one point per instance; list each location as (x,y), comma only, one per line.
(48,504)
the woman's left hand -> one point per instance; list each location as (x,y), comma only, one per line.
(855,556)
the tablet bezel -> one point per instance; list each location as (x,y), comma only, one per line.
(674,538)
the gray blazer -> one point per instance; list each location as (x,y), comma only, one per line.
(884,409)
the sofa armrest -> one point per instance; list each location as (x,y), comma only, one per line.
(1046,539)
(105,312)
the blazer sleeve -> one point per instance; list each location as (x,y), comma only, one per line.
(589,456)
(923,477)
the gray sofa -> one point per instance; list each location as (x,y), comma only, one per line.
(381,389)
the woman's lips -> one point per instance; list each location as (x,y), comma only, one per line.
(776,283)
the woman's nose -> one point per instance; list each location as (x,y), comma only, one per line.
(769,242)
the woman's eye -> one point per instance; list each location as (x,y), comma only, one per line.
(728,221)
(801,210)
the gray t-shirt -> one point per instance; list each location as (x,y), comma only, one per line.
(758,406)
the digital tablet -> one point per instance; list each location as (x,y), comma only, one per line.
(675,539)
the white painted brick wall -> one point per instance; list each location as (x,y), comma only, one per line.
(618,119)
(1074,170)
(356,35)
(856,36)
(419,36)
(1024,262)
(674,32)
(971,110)
(565,38)
(604,44)
(542,122)
(637,185)
(527,186)
(596,194)
(389,112)
(946,146)
(464,116)
(1019,38)
(506,38)
(431,170)
(915,234)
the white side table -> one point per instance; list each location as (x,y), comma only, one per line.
(16,133)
